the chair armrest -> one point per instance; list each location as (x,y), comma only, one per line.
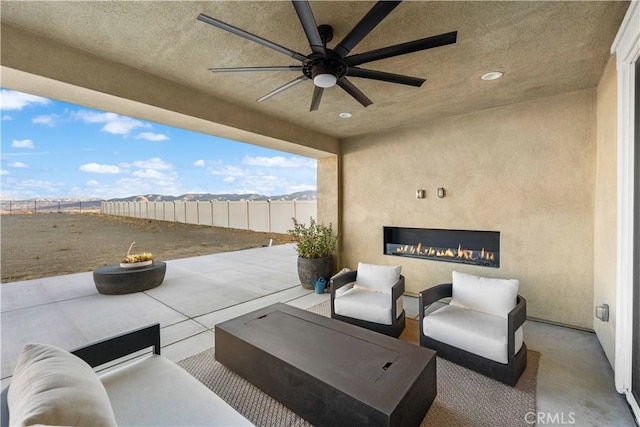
(518,314)
(436,293)
(4,408)
(396,292)
(119,346)
(515,318)
(342,280)
(398,289)
(431,295)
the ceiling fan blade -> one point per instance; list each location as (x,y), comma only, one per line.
(282,88)
(385,77)
(257,39)
(309,25)
(354,91)
(402,49)
(377,13)
(276,68)
(317,96)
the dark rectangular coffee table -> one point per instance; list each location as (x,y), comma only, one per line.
(329,372)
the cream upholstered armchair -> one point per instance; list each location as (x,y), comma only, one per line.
(370,297)
(481,328)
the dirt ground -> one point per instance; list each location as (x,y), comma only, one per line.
(52,244)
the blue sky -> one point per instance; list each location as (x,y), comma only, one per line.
(52,149)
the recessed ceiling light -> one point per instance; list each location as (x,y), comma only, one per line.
(493,75)
(345,115)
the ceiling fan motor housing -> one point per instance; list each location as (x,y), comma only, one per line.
(317,65)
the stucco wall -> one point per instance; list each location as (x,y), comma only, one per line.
(526,170)
(329,197)
(605,208)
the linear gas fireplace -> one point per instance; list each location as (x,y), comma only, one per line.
(461,246)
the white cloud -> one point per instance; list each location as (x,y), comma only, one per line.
(300,187)
(12,100)
(18,165)
(199,163)
(49,120)
(267,175)
(229,171)
(93,116)
(130,185)
(114,123)
(4,172)
(155,163)
(263,182)
(22,143)
(122,126)
(143,176)
(279,162)
(150,174)
(6,117)
(150,136)
(35,187)
(98,168)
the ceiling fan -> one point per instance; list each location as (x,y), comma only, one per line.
(330,66)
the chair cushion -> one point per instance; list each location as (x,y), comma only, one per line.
(378,278)
(490,296)
(366,305)
(156,392)
(51,386)
(476,332)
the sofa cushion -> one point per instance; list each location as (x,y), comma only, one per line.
(51,386)
(378,278)
(491,296)
(366,305)
(476,332)
(157,392)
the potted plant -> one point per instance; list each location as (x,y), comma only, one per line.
(315,245)
(141,259)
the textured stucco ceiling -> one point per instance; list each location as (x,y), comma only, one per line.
(543,48)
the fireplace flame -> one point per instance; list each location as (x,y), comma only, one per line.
(460,253)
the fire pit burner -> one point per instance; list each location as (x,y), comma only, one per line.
(462,246)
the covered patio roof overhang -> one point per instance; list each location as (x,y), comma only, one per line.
(39,66)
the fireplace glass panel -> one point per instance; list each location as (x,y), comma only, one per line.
(472,247)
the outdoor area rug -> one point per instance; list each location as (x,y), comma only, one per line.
(465,398)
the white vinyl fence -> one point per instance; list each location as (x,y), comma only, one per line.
(266,216)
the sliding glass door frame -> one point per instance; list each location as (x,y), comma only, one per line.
(626,46)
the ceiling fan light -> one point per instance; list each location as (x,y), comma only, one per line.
(325,80)
(492,75)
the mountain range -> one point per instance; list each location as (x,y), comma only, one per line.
(204,197)
(87,204)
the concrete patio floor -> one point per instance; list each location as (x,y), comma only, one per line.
(67,311)
(575,380)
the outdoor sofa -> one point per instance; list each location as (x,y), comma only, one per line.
(51,386)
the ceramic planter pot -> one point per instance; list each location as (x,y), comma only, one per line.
(311,269)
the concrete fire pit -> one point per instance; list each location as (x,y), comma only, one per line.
(115,280)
